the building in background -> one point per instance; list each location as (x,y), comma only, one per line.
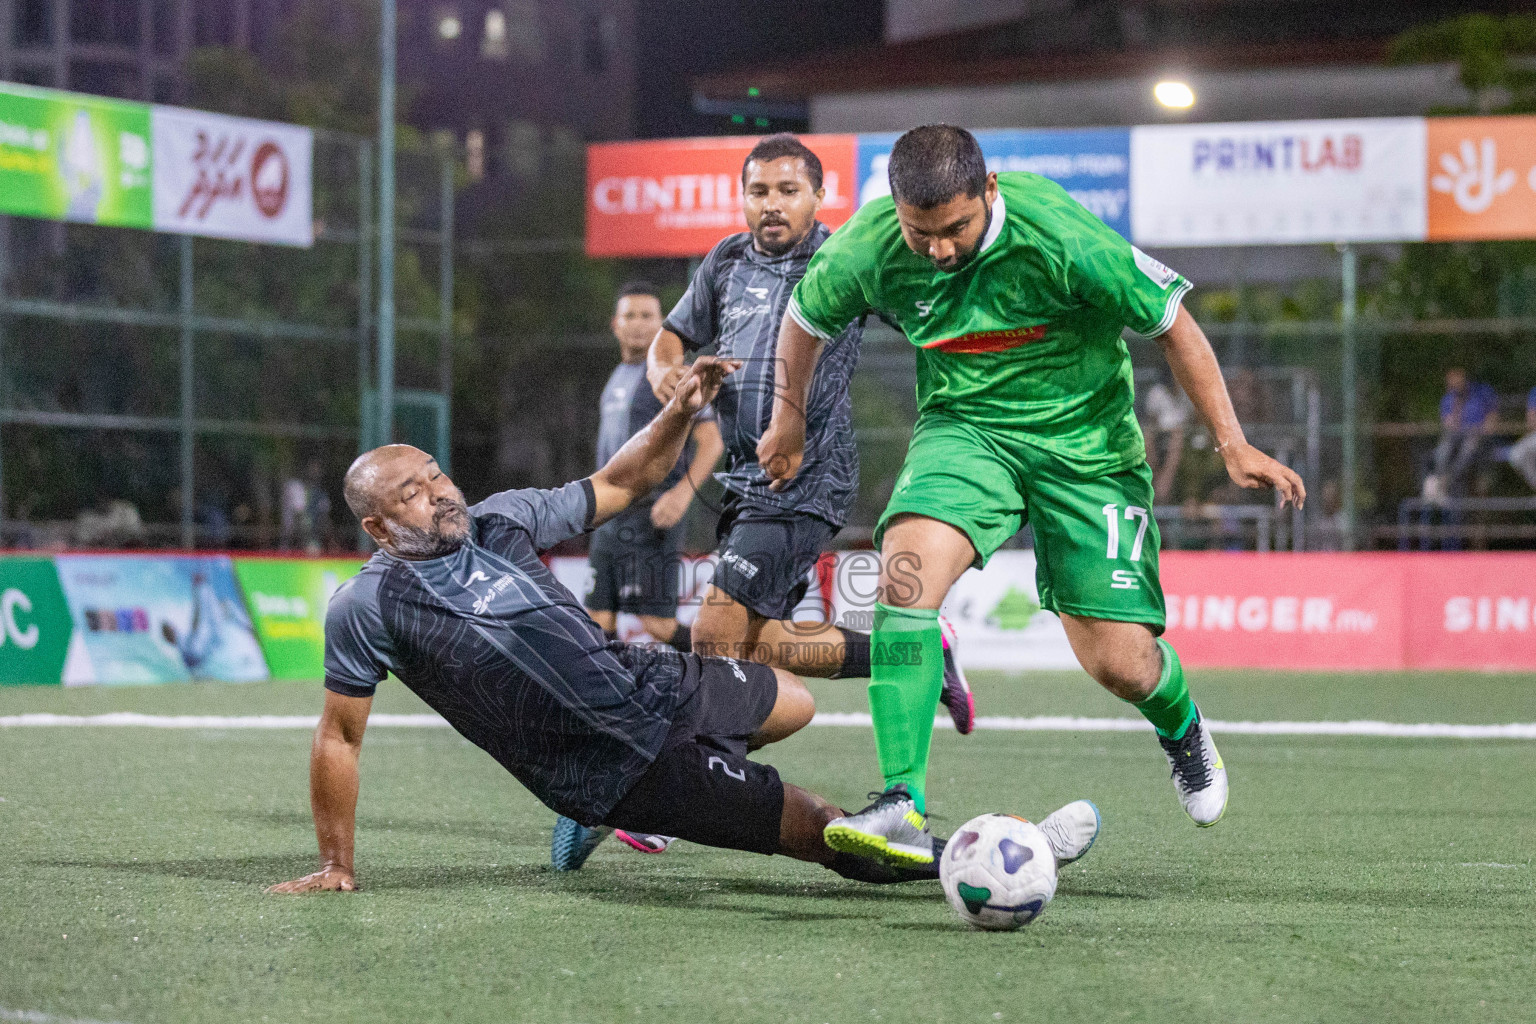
(1076,63)
(130,49)
(1092,63)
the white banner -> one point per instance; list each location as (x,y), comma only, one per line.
(995,611)
(1279,182)
(232,177)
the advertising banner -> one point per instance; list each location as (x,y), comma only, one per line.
(1094,166)
(1475,611)
(1482,178)
(995,611)
(232,177)
(678,197)
(1280,182)
(157,619)
(1285,611)
(287,599)
(65,156)
(34,622)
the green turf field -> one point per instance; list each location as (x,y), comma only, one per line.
(1352,879)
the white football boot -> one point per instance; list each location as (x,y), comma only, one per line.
(1071,830)
(1198,773)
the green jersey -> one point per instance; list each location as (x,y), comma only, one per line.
(1026,337)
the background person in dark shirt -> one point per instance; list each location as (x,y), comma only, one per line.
(457,604)
(1467,409)
(634,556)
(771,535)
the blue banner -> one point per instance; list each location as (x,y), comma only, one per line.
(1093,165)
(157,619)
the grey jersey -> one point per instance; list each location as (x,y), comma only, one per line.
(628,404)
(490,639)
(734,305)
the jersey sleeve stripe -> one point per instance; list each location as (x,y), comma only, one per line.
(1171,313)
(794,313)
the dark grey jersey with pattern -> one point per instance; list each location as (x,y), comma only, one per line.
(490,639)
(734,306)
(628,405)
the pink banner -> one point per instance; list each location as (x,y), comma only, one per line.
(1362,611)
(1471,611)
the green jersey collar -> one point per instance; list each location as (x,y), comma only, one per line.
(999,214)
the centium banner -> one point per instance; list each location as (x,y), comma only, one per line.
(67,156)
(287,598)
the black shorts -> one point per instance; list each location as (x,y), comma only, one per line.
(634,567)
(766,554)
(701,787)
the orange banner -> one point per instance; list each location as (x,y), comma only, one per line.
(678,197)
(1482,178)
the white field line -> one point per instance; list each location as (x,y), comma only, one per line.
(858,720)
(38,1017)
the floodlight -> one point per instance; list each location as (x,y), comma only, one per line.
(1174,94)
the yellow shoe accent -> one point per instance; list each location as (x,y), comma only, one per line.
(859,844)
(916,820)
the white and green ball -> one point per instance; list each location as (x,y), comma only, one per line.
(998,872)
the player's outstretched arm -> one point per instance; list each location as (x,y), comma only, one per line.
(782,446)
(647,458)
(1194,365)
(333,793)
(664,366)
(707,448)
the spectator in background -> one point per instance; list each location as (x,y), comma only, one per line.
(1249,399)
(293,512)
(1467,410)
(318,507)
(1167,415)
(110,524)
(1523,455)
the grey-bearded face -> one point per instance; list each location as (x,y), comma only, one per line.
(448,532)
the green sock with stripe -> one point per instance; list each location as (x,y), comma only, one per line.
(1169,708)
(906,677)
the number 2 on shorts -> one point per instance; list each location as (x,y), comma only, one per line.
(1112,515)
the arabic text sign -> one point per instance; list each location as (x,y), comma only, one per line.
(679,197)
(66,156)
(232,177)
(1282,182)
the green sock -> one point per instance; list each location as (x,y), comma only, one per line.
(906,675)
(1169,708)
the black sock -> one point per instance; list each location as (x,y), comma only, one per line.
(682,639)
(862,869)
(855,655)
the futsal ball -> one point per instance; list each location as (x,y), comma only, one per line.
(998,872)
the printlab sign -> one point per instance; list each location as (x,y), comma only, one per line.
(66,156)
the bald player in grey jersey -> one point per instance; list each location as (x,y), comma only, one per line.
(772,535)
(457,605)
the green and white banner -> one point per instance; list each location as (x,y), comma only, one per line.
(287,598)
(68,156)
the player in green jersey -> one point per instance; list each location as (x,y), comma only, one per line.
(1015,297)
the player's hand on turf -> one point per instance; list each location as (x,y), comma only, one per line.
(669,508)
(782,449)
(702,381)
(664,380)
(327,879)
(1251,468)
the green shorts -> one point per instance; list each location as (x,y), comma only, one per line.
(1096,542)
